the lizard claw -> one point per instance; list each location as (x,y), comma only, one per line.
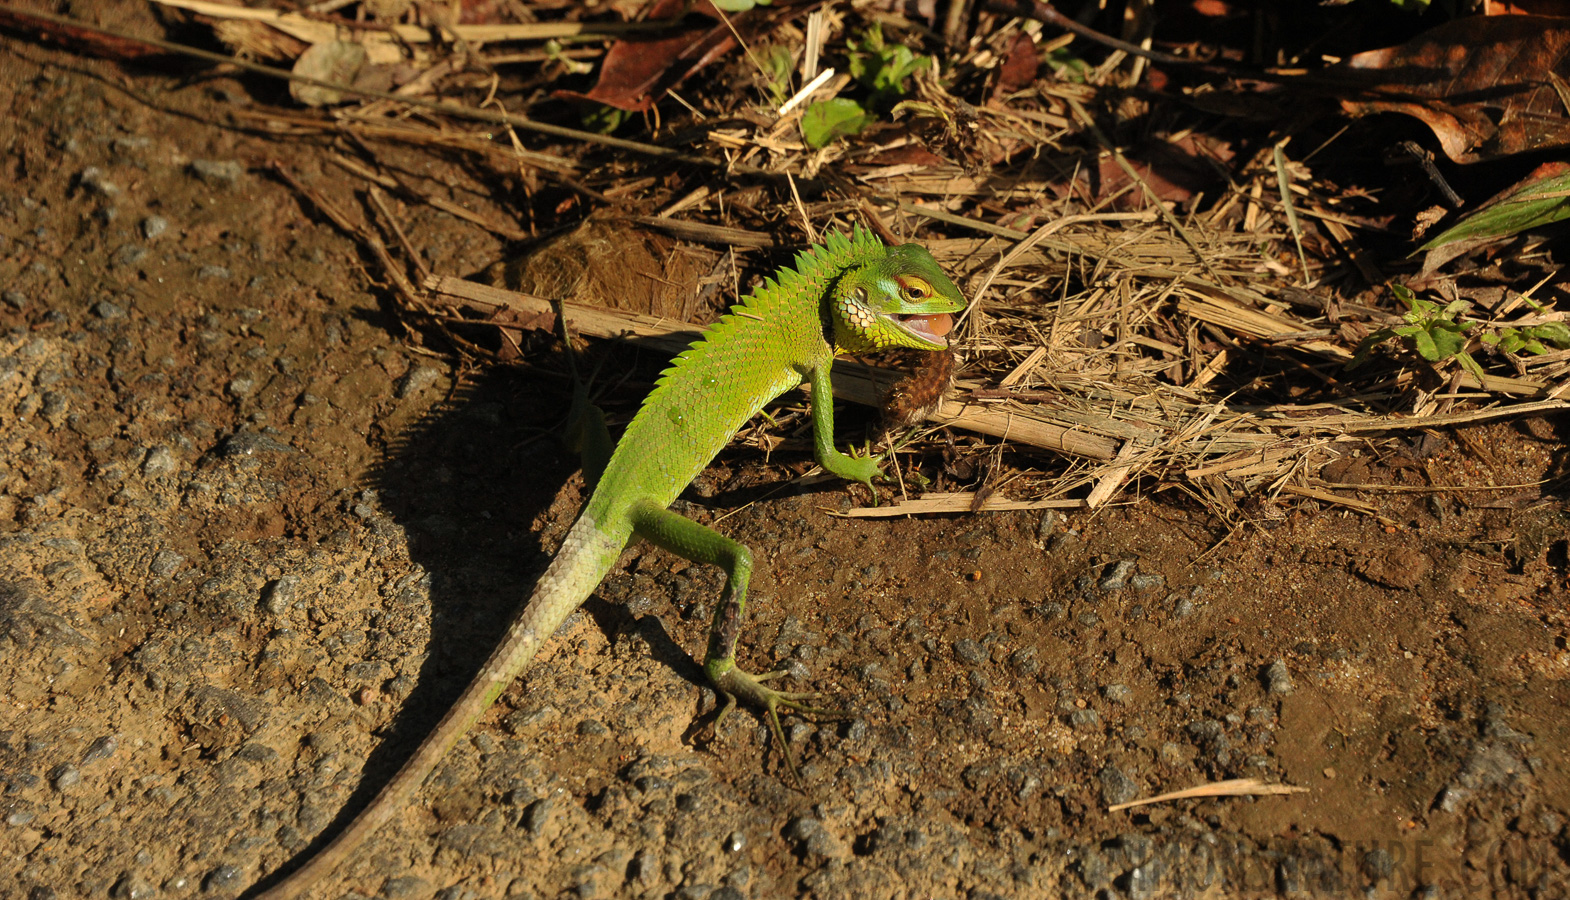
(735,683)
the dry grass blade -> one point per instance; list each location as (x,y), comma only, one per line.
(1232,787)
(954,502)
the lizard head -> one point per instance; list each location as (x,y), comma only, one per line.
(901,300)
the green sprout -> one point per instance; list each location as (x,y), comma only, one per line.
(881,69)
(1430,329)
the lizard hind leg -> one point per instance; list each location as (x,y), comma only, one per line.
(693,541)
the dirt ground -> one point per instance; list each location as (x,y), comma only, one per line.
(249,553)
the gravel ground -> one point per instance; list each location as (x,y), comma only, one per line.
(252,543)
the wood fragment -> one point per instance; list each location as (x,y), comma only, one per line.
(1232,787)
(958,502)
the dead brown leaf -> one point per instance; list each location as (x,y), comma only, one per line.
(637,71)
(1480,83)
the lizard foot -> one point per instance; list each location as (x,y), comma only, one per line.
(734,683)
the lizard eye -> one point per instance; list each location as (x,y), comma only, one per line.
(916,291)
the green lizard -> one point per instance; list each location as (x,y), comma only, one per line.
(847,295)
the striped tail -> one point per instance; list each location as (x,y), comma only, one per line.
(585,556)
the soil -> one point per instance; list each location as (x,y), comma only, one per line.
(253,542)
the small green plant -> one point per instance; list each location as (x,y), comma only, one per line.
(1436,334)
(776,62)
(881,69)
(1533,339)
(1430,329)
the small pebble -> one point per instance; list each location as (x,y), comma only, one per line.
(101,749)
(95,180)
(219,173)
(1117,577)
(1116,787)
(223,880)
(536,816)
(213,273)
(278,595)
(1084,720)
(15,299)
(969,652)
(1048,524)
(107,309)
(160,461)
(128,255)
(1278,680)
(406,886)
(166,563)
(132,887)
(153,226)
(65,776)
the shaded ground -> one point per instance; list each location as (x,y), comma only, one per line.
(237,584)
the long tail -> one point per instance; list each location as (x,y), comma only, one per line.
(584,558)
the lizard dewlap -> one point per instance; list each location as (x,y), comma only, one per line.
(849,293)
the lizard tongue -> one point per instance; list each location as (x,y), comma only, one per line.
(934,327)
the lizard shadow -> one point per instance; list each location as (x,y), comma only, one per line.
(469,486)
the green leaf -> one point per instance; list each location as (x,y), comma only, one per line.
(829,120)
(1556,333)
(1068,66)
(1470,364)
(1531,205)
(1423,342)
(603,119)
(920,108)
(777,64)
(1447,342)
(1365,347)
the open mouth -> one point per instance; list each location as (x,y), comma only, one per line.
(933,328)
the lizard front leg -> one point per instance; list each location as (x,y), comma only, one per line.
(693,541)
(850,468)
